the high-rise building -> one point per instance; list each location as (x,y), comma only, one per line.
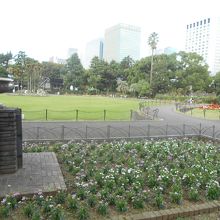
(203,37)
(57,60)
(166,50)
(93,48)
(71,51)
(121,41)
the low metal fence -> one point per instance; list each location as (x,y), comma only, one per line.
(77,115)
(86,132)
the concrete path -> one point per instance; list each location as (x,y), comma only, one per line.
(40,172)
(170,122)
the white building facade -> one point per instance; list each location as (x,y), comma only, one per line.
(93,48)
(121,41)
(203,37)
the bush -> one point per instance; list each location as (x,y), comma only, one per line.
(102,208)
(194,194)
(218,99)
(60,197)
(57,214)
(171,97)
(92,200)
(213,190)
(121,205)
(159,200)
(28,210)
(4,211)
(72,203)
(138,203)
(83,213)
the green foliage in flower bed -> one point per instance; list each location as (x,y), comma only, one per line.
(121,177)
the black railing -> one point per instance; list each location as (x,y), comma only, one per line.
(63,132)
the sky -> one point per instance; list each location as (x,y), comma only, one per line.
(46,28)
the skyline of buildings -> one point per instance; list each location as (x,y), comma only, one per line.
(93,48)
(122,40)
(203,37)
(166,50)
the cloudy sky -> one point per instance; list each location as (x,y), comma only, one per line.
(45,28)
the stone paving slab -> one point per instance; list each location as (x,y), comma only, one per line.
(40,172)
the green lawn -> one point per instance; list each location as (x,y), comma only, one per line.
(209,114)
(65,107)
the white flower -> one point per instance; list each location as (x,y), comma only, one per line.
(3,201)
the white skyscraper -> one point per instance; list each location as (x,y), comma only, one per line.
(121,41)
(203,37)
(93,48)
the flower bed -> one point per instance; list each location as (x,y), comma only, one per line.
(125,177)
(210,107)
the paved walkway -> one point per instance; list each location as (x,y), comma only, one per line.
(171,116)
(104,129)
(40,172)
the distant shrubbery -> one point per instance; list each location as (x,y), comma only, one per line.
(197,99)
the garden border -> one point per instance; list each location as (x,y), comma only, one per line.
(167,214)
(76,140)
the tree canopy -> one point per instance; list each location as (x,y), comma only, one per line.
(178,73)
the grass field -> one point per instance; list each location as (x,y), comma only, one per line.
(209,114)
(72,107)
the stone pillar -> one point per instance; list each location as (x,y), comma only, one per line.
(10,140)
(19,137)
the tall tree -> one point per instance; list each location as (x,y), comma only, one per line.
(32,71)
(216,83)
(4,59)
(19,67)
(75,72)
(192,73)
(125,65)
(152,42)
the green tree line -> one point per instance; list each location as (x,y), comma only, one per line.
(179,73)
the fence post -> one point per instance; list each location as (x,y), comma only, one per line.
(166,129)
(200,129)
(104,114)
(213,131)
(219,115)
(204,112)
(86,132)
(77,112)
(131,113)
(46,114)
(108,131)
(62,132)
(148,130)
(191,111)
(184,126)
(38,133)
(129,131)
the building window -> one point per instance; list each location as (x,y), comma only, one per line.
(194,25)
(200,22)
(190,25)
(208,20)
(197,23)
(187,26)
(205,21)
